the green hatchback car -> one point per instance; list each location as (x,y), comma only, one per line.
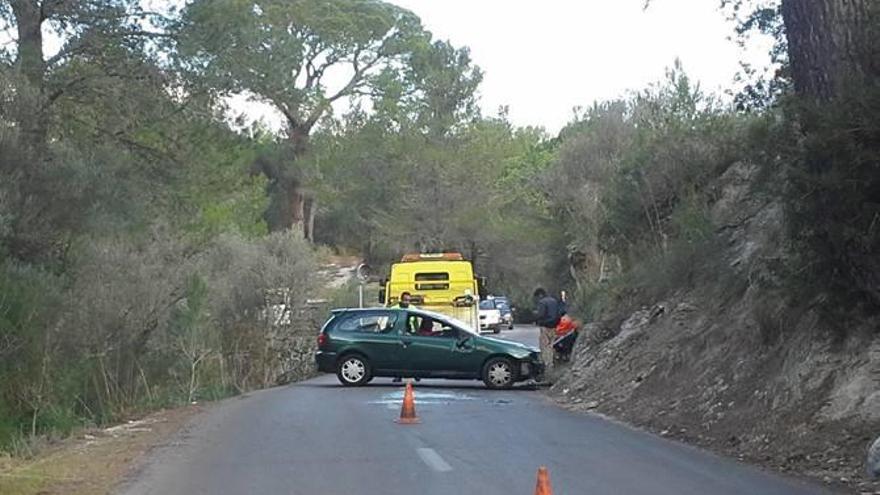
(361,344)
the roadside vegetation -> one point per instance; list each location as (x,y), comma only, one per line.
(146,231)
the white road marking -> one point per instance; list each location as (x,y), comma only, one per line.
(433,460)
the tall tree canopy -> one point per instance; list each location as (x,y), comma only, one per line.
(93,35)
(300,56)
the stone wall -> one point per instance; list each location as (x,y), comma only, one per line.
(294,344)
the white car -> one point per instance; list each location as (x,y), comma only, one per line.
(490,317)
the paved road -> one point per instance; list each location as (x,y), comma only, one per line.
(318,438)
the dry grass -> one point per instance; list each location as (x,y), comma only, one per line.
(94,461)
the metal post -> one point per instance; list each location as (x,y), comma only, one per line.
(363,275)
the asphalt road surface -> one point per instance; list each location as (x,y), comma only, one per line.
(317,437)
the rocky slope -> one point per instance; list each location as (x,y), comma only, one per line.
(729,362)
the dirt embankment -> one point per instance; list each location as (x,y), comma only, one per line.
(729,363)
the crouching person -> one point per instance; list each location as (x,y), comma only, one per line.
(566,333)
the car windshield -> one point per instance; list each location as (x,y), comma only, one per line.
(487,304)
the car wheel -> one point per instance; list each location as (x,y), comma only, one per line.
(497,329)
(353,370)
(499,372)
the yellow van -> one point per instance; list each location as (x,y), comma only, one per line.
(441,282)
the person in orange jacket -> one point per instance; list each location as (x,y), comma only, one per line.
(566,335)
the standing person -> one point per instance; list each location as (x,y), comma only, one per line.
(547,315)
(411,327)
(404,301)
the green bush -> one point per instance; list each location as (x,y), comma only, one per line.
(142,322)
(631,188)
(833,200)
(29,307)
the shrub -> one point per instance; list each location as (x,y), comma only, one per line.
(30,301)
(833,200)
(145,321)
(631,183)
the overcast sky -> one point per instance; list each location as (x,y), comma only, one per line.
(541,58)
(544,57)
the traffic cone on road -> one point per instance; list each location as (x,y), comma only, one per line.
(408,410)
(543,487)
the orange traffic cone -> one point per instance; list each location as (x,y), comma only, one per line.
(408,410)
(543,487)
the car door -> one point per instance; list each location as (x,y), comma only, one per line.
(467,356)
(427,353)
(449,350)
(375,334)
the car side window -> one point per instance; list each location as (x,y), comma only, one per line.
(445,330)
(370,323)
(426,327)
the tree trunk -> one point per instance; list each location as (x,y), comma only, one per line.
(835,65)
(299,139)
(309,207)
(285,204)
(32,115)
(290,207)
(830,44)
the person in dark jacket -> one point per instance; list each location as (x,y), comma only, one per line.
(547,314)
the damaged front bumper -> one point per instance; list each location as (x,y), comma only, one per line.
(531,370)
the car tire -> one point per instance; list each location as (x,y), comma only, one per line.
(353,370)
(499,373)
(497,329)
